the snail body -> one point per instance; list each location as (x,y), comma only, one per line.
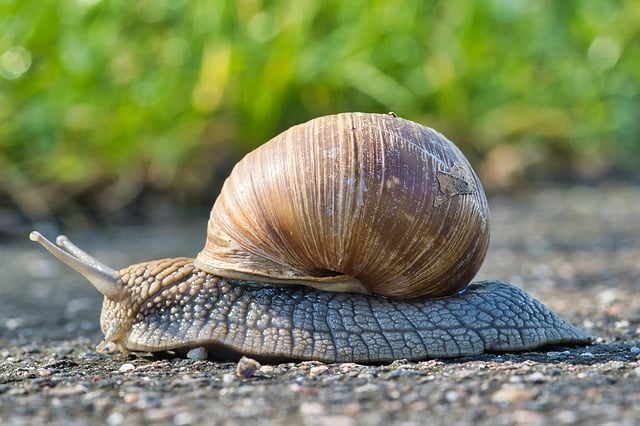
(348,238)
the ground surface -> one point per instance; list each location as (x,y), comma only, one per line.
(577,249)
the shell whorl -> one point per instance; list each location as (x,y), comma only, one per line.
(352,202)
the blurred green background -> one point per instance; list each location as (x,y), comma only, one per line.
(111,108)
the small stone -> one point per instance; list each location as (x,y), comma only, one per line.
(354,408)
(635,349)
(621,324)
(98,399)
(368,387)
(228,378)
(67,391)
(511,395)
(398,363)
(587,355)
(13,323)
(126,367)
(158,414)
(247,367)
(115,419)
(183,419)
(303,390)
(198,354)
(347,367)
(131,398)
(515,379)
(567,417)
(607,297)
(557,355)
(335,421)
(318,370)
(536,377)
(46,372)
(311,409)
(266,369)
(451,396)
(527,417)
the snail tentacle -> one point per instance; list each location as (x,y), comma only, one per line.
(103,278)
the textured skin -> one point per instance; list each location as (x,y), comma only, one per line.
(190,308)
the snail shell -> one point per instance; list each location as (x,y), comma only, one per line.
(353,202)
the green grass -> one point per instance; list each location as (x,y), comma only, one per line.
(106,99)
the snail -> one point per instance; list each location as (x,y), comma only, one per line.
(352,237)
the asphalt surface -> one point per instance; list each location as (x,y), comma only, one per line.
(577,249)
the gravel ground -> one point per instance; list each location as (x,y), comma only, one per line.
(577,249)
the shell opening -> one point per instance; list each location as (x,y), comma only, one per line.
(103,278)
(322,273)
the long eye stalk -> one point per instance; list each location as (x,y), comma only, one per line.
(103,278)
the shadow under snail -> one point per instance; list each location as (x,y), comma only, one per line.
(351,237)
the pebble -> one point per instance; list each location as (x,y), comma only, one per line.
(115,418)
(527,417)
(311,409)
(183,419)
(228,378)
(621,324)
(303,390)
(335,421)
(607,297)
(369,387)
(266,369)
(567,417)
(451,396)
(508,395)
(67,390)
(556,355)
(317,370)
(131,398)
(47,372)
(126,367)
(536,377)
(347,367)
(247,367)
(198,354)
(158,414)
(587,355)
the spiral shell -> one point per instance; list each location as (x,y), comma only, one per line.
(369,203)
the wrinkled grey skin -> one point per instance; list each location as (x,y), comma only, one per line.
(296,323)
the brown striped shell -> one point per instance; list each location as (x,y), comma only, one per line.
(359,202)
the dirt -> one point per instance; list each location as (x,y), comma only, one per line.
(575,248)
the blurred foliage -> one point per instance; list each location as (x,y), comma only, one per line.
(103,101)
